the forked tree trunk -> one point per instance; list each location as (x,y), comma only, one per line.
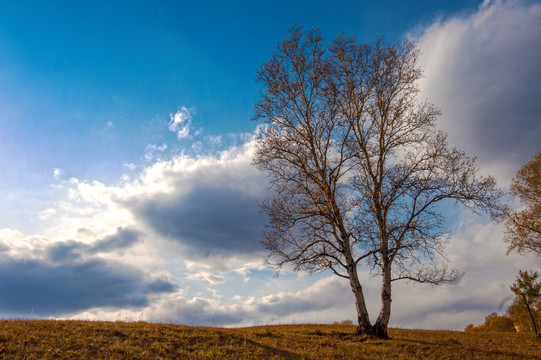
(365,327)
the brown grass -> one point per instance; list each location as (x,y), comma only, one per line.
(44,339)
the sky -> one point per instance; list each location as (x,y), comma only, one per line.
(126,185)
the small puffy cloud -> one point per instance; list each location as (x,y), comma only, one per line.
(181,121)
(57,173)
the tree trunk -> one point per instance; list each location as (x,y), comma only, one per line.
(380,328)
(363,319)
(531,316)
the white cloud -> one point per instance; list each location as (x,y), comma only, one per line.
(206,276)
(215,139)
(181,122)
(239,263)
(57,173)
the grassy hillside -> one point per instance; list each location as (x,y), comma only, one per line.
(44,339)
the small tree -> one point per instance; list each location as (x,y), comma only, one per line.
(524,226)
(529,292)
(518,312)
(357,167)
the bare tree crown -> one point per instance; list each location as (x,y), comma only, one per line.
(356,165)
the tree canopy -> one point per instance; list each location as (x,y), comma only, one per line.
(357,168)
(528,289)
(524,226)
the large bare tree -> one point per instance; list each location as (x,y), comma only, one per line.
(357,168)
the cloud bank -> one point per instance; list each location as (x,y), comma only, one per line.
(482,70)
(178,238)
(176,224)
(60,278)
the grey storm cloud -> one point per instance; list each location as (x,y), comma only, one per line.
(54,289)
(68,278)
(122,239)
(207,219)
(71,249)
(482,70)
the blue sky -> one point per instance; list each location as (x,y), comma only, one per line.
(126,139)
(69,68)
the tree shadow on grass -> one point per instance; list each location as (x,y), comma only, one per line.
(274,350)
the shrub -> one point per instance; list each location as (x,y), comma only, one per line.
(493,322)
(501,324)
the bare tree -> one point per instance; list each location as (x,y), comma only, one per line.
(357,168)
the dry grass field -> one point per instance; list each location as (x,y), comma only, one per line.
(49,339)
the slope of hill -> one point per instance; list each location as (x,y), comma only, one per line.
(44,339)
